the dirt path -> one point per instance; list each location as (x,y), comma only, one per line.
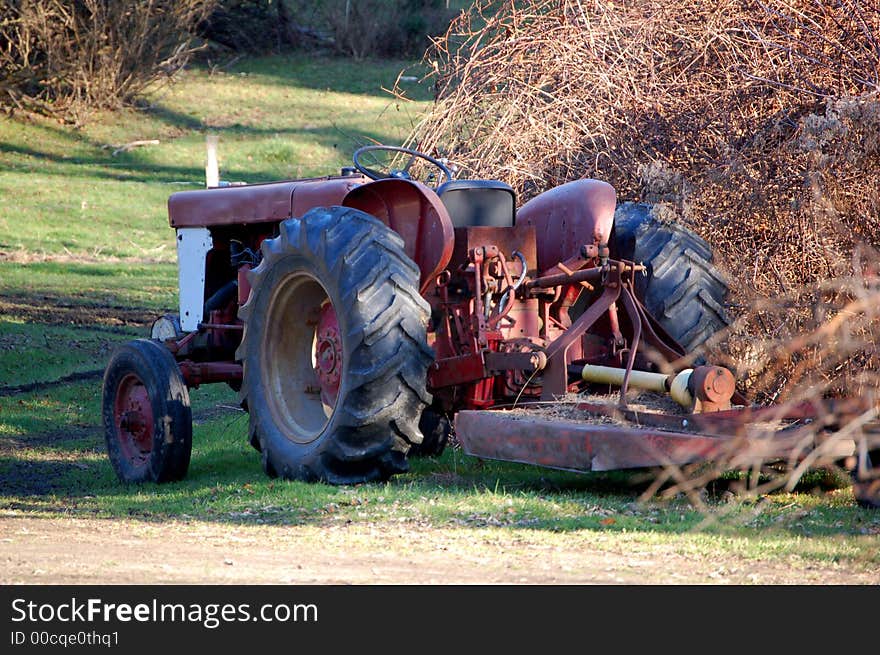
(91,551)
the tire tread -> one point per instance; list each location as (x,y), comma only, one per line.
(682,288)
(372,282)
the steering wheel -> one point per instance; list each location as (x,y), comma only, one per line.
(400,173)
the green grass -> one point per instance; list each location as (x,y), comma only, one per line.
(87,260)
(54,464)
(146,287)
(276,118)
(63,318)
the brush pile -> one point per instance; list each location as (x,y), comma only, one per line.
(756,124)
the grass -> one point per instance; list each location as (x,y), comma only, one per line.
(54,470)
(87,260)
(62,318)
(276,118)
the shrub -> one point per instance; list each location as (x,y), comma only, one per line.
(70,57)
(356,28)
(363,28)
(253,26)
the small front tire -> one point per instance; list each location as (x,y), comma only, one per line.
(146,414)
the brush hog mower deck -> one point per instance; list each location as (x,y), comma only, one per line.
(363,317)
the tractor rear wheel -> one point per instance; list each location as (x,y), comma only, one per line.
(681,288)
(334,350)
(146,413)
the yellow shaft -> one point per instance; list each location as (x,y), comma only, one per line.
(638,379)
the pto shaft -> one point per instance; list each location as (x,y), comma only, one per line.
(706,388)
(639,379)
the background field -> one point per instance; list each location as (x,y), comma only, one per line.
(87,260)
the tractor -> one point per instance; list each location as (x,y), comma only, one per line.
(369,316)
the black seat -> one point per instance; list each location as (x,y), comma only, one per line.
(474,203)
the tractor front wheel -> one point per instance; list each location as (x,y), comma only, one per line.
(334,350)
(146,414)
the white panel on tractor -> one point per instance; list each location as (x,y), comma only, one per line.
(193,243)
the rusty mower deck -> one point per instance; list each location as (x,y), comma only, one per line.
(603,435)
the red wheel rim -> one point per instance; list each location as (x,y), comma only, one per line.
(328,354)
(133,418)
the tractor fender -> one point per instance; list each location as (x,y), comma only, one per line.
(417,214)
(568,217)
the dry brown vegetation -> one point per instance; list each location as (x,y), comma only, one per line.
(756,124)
(70,57)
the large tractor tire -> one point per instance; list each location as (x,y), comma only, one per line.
(681,287)
(334,350)
(146,413)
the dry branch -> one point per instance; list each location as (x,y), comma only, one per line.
(125,147)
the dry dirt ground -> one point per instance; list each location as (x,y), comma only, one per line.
(93,551)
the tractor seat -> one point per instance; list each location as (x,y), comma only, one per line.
(475,203)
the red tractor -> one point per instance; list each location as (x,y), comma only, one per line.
(363,317)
